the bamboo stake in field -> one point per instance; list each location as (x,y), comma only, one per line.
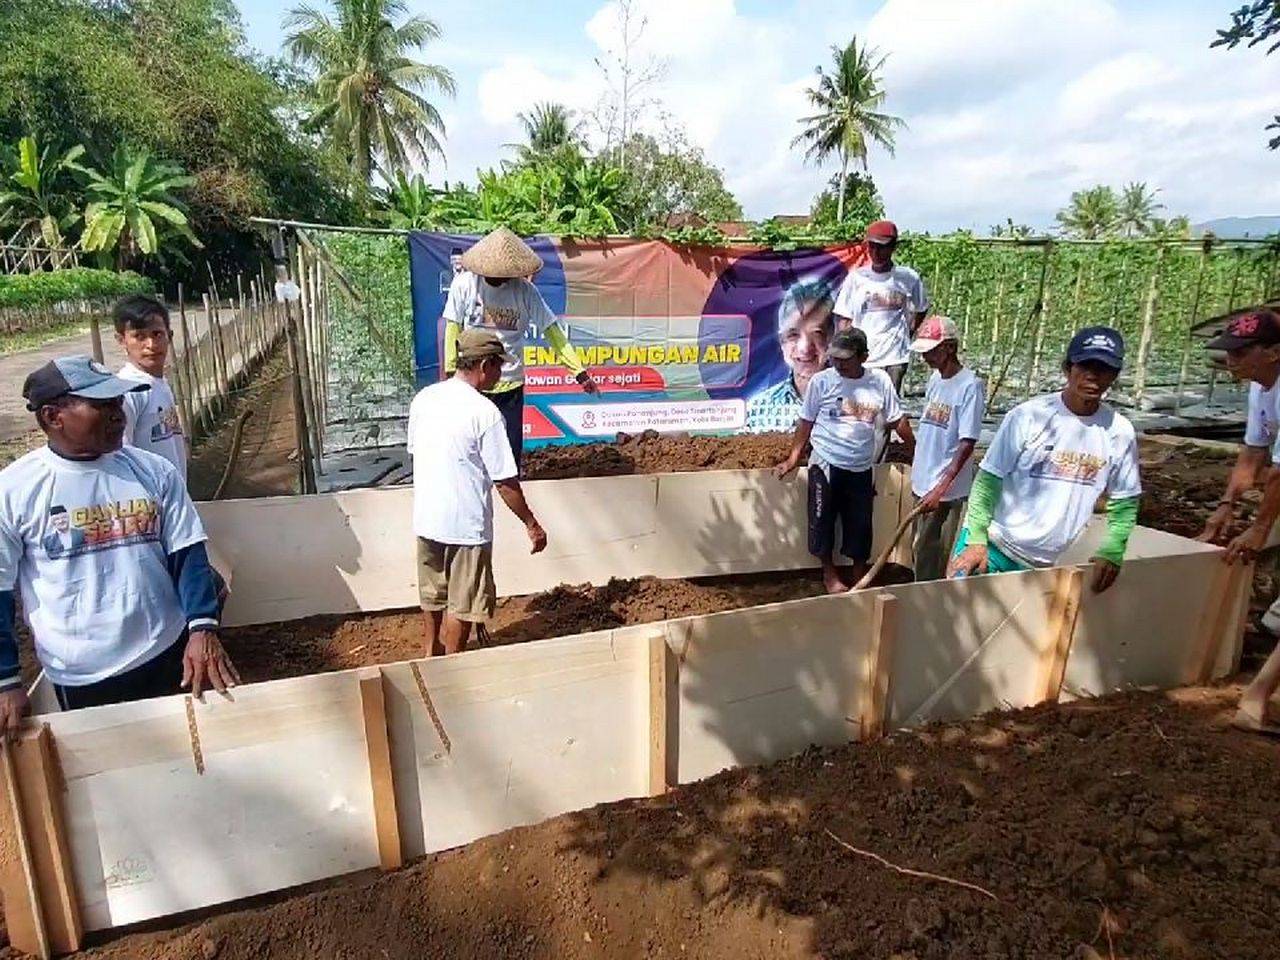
(191,360)
(1147,338)
(1206,251)
(993,389)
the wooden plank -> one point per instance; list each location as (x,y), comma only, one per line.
(41,787)
(1060,631)
(1215,621)
(23,915)
(884,636)
(664,715)
(381,777)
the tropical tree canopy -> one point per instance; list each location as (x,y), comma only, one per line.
(370,95)
(549,129)
(409,203)
(1137,209)
(668,178)
(1091,213)
(31,198)
(862,204)
(1257,21)
(133,205)
(848,112)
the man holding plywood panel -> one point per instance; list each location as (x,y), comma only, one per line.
(460,450)
(1051,459)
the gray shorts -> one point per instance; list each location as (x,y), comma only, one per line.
(457,578)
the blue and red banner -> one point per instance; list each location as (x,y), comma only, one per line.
(680,339)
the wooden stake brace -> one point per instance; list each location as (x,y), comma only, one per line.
(875,698)
(1064,613)
(41,907)
(664,716)
(385,816)
(1222,620)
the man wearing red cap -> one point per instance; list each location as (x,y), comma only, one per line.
(885,300)
(1252,345)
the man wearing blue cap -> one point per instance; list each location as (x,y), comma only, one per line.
(109,553)
(1051,459)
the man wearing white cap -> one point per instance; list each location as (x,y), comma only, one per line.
(885,300)
(460,453)
(949,427)
(492,292)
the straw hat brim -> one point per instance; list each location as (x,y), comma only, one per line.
(501,254)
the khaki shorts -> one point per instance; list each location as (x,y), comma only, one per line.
(457,578)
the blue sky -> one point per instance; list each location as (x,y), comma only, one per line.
(1011,104)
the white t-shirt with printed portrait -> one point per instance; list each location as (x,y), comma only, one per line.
(1054,466)
(883,305)
(151,419)
(952,411)
(849,416)
(511,310)
(87,543)
(1262,422)
(459,445)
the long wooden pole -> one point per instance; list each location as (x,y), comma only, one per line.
(1205,251)
(1147,337)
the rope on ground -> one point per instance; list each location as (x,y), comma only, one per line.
(924,874)
(236,436)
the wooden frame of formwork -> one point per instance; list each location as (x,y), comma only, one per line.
(119,814)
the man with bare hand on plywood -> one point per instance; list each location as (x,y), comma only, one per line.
(458,441)
(1252,345)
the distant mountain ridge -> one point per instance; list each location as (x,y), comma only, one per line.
(1234,228)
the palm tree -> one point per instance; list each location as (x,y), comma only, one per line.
(549,129)
(1137,209)
(134,206)
(34,204)
(848,117)
(371,97)
(1091,214)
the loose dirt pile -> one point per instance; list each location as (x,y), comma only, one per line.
(1133,826)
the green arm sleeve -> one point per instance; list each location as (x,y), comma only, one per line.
(568,355)
(451,331)
(1122,515)
(982,506)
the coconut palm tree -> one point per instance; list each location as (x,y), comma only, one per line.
(1137,209)
(371,97)
(1091,214)
(32,202)
(848,117)
(549,129)
(134,206)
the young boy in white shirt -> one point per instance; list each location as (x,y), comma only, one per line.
(151,416)
(949,427)
(846,412)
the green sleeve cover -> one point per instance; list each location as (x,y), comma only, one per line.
(451,331)
(982,506)
(568,355)
(1122,515)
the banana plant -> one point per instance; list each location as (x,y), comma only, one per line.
(134,207)
(30,199)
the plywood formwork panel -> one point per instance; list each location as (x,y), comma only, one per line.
(354,551)
(506,736)
(764,683)
(284,797)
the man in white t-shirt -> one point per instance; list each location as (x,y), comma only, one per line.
(1051,459)
(151,416)
(949,427)
(108,552)
(492,292)
(1252,345)
(845,414)
(460,452)
(886,300)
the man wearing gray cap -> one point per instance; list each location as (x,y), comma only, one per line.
(108,552)
(458,441)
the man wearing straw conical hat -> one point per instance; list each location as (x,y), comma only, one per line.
(492,292)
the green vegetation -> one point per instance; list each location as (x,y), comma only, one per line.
(36,203)
(65,286)
(15,341)
(133,206)
(1256,22)
(848,115)
(369,95)
(1100,212)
